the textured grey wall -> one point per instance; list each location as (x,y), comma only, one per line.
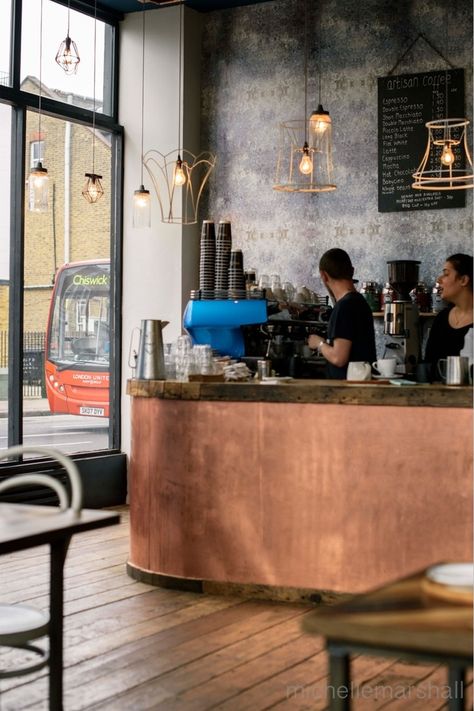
(253,79)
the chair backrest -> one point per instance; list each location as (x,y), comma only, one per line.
(45,479)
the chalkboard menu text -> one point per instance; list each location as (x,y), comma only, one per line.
(405,104)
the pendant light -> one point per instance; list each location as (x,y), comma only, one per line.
(447,162)
(93,190)
(141,197)
(67,55)
(38,178)
(306,163)
(179,176)
(320,120)
(305,152)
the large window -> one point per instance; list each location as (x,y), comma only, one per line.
(59,266)
(67,297)
(77,89)
(5,132)
(5,25)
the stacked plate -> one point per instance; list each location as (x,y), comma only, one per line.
(236,275)
(223,249)
(207,260)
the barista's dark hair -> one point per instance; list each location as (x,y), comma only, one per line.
(463,265)
(337,263)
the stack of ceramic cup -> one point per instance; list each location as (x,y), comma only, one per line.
(236,275)
(223,248)
(207,260)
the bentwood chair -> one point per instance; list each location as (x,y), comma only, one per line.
(20,625)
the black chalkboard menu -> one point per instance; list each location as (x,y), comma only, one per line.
(405,104)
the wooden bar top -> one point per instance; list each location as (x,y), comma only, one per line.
(309,391)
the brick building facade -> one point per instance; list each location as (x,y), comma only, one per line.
(71,229)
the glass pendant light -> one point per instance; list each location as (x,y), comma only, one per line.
(67,55)
(93,190)
(141,197)
(38,179)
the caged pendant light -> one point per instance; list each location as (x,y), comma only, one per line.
(305,152)
(141,197)
(67,55)
(93,190)
(38,178)
(447,162)
(179,177)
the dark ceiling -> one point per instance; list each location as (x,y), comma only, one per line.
(123,6)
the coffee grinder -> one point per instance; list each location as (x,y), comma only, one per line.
(401,317)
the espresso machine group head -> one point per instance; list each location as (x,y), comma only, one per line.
(401,317)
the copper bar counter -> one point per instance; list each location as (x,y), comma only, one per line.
(319,485)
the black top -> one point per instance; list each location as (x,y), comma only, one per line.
(443,340)
(352,319)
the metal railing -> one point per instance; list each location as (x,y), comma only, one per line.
(33,364)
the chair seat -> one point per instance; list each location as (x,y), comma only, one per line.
(21,623)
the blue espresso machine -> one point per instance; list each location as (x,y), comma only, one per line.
(218,322)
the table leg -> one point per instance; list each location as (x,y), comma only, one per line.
(56,602)
(339,691)
(457,685)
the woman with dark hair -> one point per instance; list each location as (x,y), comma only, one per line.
(452,323)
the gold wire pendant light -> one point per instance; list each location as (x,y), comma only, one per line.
(447,149)
(447,162)
(304,161)
(67,55)
(93,190)
(179,177)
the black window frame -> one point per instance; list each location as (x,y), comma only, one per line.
(20,102)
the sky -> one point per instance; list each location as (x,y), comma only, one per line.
(54,32)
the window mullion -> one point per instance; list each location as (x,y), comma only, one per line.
(17,259)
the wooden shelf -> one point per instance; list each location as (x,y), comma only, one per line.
(379,314)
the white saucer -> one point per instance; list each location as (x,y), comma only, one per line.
(457,574)
(387,377)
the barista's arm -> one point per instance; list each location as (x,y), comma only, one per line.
(337,354)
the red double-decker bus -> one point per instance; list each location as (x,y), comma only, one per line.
(78,340)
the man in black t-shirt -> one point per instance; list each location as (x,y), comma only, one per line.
(351,334)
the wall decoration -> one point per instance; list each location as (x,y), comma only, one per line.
(251,77)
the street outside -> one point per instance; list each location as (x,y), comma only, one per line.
(68,433)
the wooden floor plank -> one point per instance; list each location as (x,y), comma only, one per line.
(190,661)
(132,646)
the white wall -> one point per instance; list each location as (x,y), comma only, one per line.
(160,264)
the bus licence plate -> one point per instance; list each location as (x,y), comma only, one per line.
(95,411)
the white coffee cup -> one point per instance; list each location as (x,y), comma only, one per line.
(385,366)
(358,370)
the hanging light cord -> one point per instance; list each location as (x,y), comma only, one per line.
(93,98)
(320,41)
(143,90)
(446,73)
(68,15)
(179,77)
(40,70)
(306,69)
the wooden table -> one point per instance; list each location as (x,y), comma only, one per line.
(22,527)
(400,619)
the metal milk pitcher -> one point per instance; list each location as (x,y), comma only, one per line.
(150,360)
